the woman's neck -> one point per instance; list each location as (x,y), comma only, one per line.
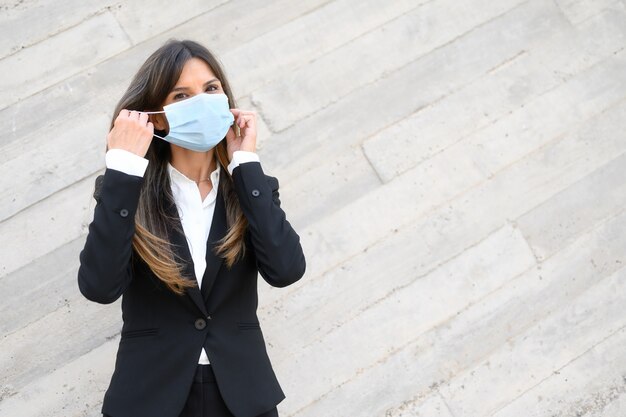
(196,166)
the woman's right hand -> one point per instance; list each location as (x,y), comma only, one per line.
(132,132)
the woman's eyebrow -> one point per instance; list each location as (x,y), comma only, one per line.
(187,88)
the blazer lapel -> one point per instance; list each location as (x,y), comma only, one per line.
(218,231)
(213,262)
(181,248)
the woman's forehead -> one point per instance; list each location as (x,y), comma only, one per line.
(195,71)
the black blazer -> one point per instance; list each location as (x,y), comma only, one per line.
(163,333)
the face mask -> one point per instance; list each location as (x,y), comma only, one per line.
(197,123)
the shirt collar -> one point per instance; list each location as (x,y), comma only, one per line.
(179,178)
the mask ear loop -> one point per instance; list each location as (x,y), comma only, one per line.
(153,112)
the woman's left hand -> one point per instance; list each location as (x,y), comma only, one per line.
(246,120)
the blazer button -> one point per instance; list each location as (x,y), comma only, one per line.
(123,212)
(200,323)
(256,192)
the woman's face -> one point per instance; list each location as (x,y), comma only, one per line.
(196,78)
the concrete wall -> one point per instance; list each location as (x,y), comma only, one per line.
(455,169)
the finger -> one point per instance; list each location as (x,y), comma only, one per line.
(150,127)
(246,120)
(143,119)
(252,125)
(123,114)
(235,112)
(134,115)
(246,114)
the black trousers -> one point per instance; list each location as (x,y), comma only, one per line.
(205,400)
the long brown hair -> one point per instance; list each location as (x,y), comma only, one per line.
(147,91)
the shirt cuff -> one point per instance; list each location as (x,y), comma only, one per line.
(240,157)
(126,161)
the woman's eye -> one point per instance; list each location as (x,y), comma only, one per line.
(183,95)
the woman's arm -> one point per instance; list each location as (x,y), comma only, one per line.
(280,258)
(105,268)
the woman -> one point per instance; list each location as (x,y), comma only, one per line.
(185,221)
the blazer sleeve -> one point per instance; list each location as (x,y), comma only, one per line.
(279,254)
(105,269)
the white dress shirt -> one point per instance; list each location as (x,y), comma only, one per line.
(195,214)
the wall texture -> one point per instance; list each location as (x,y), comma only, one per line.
(455,170)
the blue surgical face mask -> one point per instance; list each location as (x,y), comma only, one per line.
(198,123)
